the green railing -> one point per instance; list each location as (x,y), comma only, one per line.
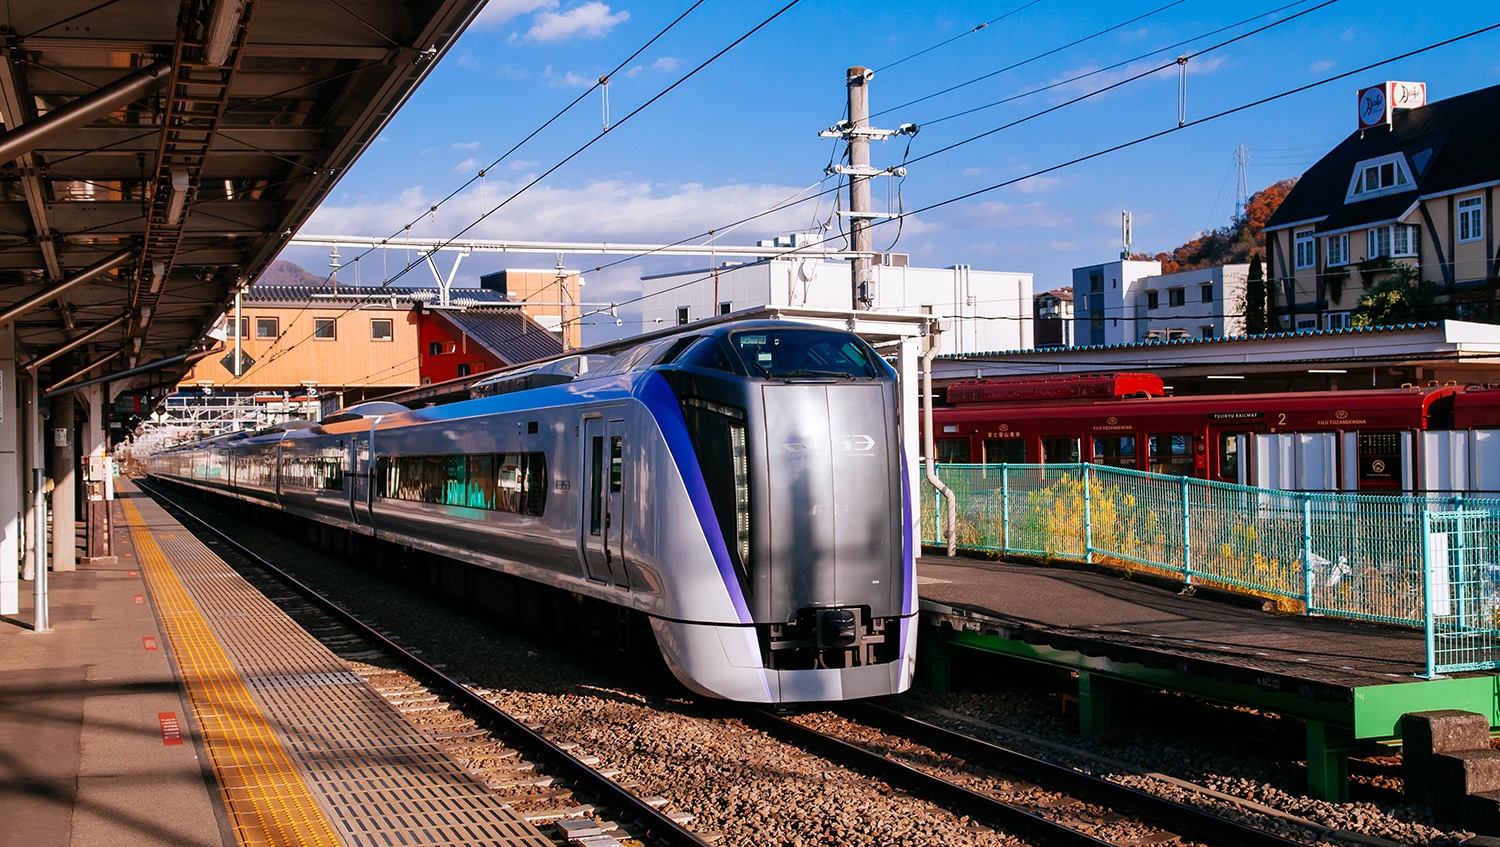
(1432,563)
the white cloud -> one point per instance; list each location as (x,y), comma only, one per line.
(465,145)
(665,64)
(567,80)
(997,215)
(467,166)
(591,20)
(973,171)
(1324,65)
(607,210)
(1038,184)
(497,12)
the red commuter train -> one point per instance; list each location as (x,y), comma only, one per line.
(1126,420)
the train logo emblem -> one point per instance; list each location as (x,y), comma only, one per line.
(1111,420)
(1341,414)
(857,443)
(1378,466)
(1005,427)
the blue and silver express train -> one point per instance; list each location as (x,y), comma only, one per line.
(740,486)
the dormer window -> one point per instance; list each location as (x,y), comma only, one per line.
(1378,177)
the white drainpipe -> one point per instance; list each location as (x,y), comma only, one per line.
(931,448)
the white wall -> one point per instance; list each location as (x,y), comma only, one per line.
(981,311)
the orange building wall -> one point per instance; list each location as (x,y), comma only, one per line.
(350,360)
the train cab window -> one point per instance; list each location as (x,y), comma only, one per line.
(952,451)
(804,352)
(1004,450)
(1170,454)
(1061,451)
(1115,450)
(673,352)
(706,353)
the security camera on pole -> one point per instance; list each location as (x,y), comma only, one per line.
(858,132)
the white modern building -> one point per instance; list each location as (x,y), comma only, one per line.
(1104,301)
(1202,303)
(979,311)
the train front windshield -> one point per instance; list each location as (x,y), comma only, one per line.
(804,352)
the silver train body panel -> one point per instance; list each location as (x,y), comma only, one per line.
(759,521)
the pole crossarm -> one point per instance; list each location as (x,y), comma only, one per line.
(593,248)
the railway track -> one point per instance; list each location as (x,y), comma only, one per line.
(550,765)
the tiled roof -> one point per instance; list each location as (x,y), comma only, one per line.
(509,334)
(302,295)
(1462,133)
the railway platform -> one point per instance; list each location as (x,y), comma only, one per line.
(1349,682)
(172,703)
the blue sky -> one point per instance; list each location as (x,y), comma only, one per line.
(741,136)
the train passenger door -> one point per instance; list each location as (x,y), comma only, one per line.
(602,527)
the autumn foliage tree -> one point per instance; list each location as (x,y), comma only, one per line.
(1232,244)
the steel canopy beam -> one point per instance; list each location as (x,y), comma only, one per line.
(76,343)
(137,371)
(129,88)
(92,271)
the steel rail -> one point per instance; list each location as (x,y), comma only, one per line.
(656,824)
(1179,817)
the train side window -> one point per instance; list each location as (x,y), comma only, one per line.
(953,451)
(596,488)
(1004,450)
(1060,451)
(1171,454)
(1229,455)
(1115,450)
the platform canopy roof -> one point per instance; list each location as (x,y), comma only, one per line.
(157,154)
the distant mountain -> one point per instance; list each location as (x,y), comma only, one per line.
(282,272)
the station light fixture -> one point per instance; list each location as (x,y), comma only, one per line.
(179,196)
(158,272)
(1224,376)
(1326,371)
(145,316)
(223,22)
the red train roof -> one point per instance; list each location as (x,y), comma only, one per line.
(1477,407)
(1074,387)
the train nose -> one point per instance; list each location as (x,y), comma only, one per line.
(837,628)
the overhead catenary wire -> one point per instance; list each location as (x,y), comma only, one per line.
(966,33)
(1143,139)
(633,113)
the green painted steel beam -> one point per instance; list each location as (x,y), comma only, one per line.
(1378,708)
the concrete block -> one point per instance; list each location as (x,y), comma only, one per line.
(1454,776)
(1482,815)
(1425,734)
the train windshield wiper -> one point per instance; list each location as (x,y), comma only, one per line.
(810,374)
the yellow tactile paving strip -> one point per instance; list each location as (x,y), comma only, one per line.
(377,780)
(267,800)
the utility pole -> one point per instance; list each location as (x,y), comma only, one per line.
(1242,189)
(858,132)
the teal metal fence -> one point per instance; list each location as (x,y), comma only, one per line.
(1432,563)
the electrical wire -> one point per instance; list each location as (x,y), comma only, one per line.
(965,34)
(689,75)
(1035,58)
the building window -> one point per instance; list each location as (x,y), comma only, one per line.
(1375,177)
(1151,300)
(1205,332)
(1176,296)
(434,348)
(724,308)
(1206,293)
(1394,240)
(244,327)
(1338,320)
(324,328)
(682,315)
(267,328)
(380,329)
(1338,250)
(1471,218)
(1304,249)
(1307,324)
(463,369)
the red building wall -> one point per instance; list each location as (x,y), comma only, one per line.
(453,350)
